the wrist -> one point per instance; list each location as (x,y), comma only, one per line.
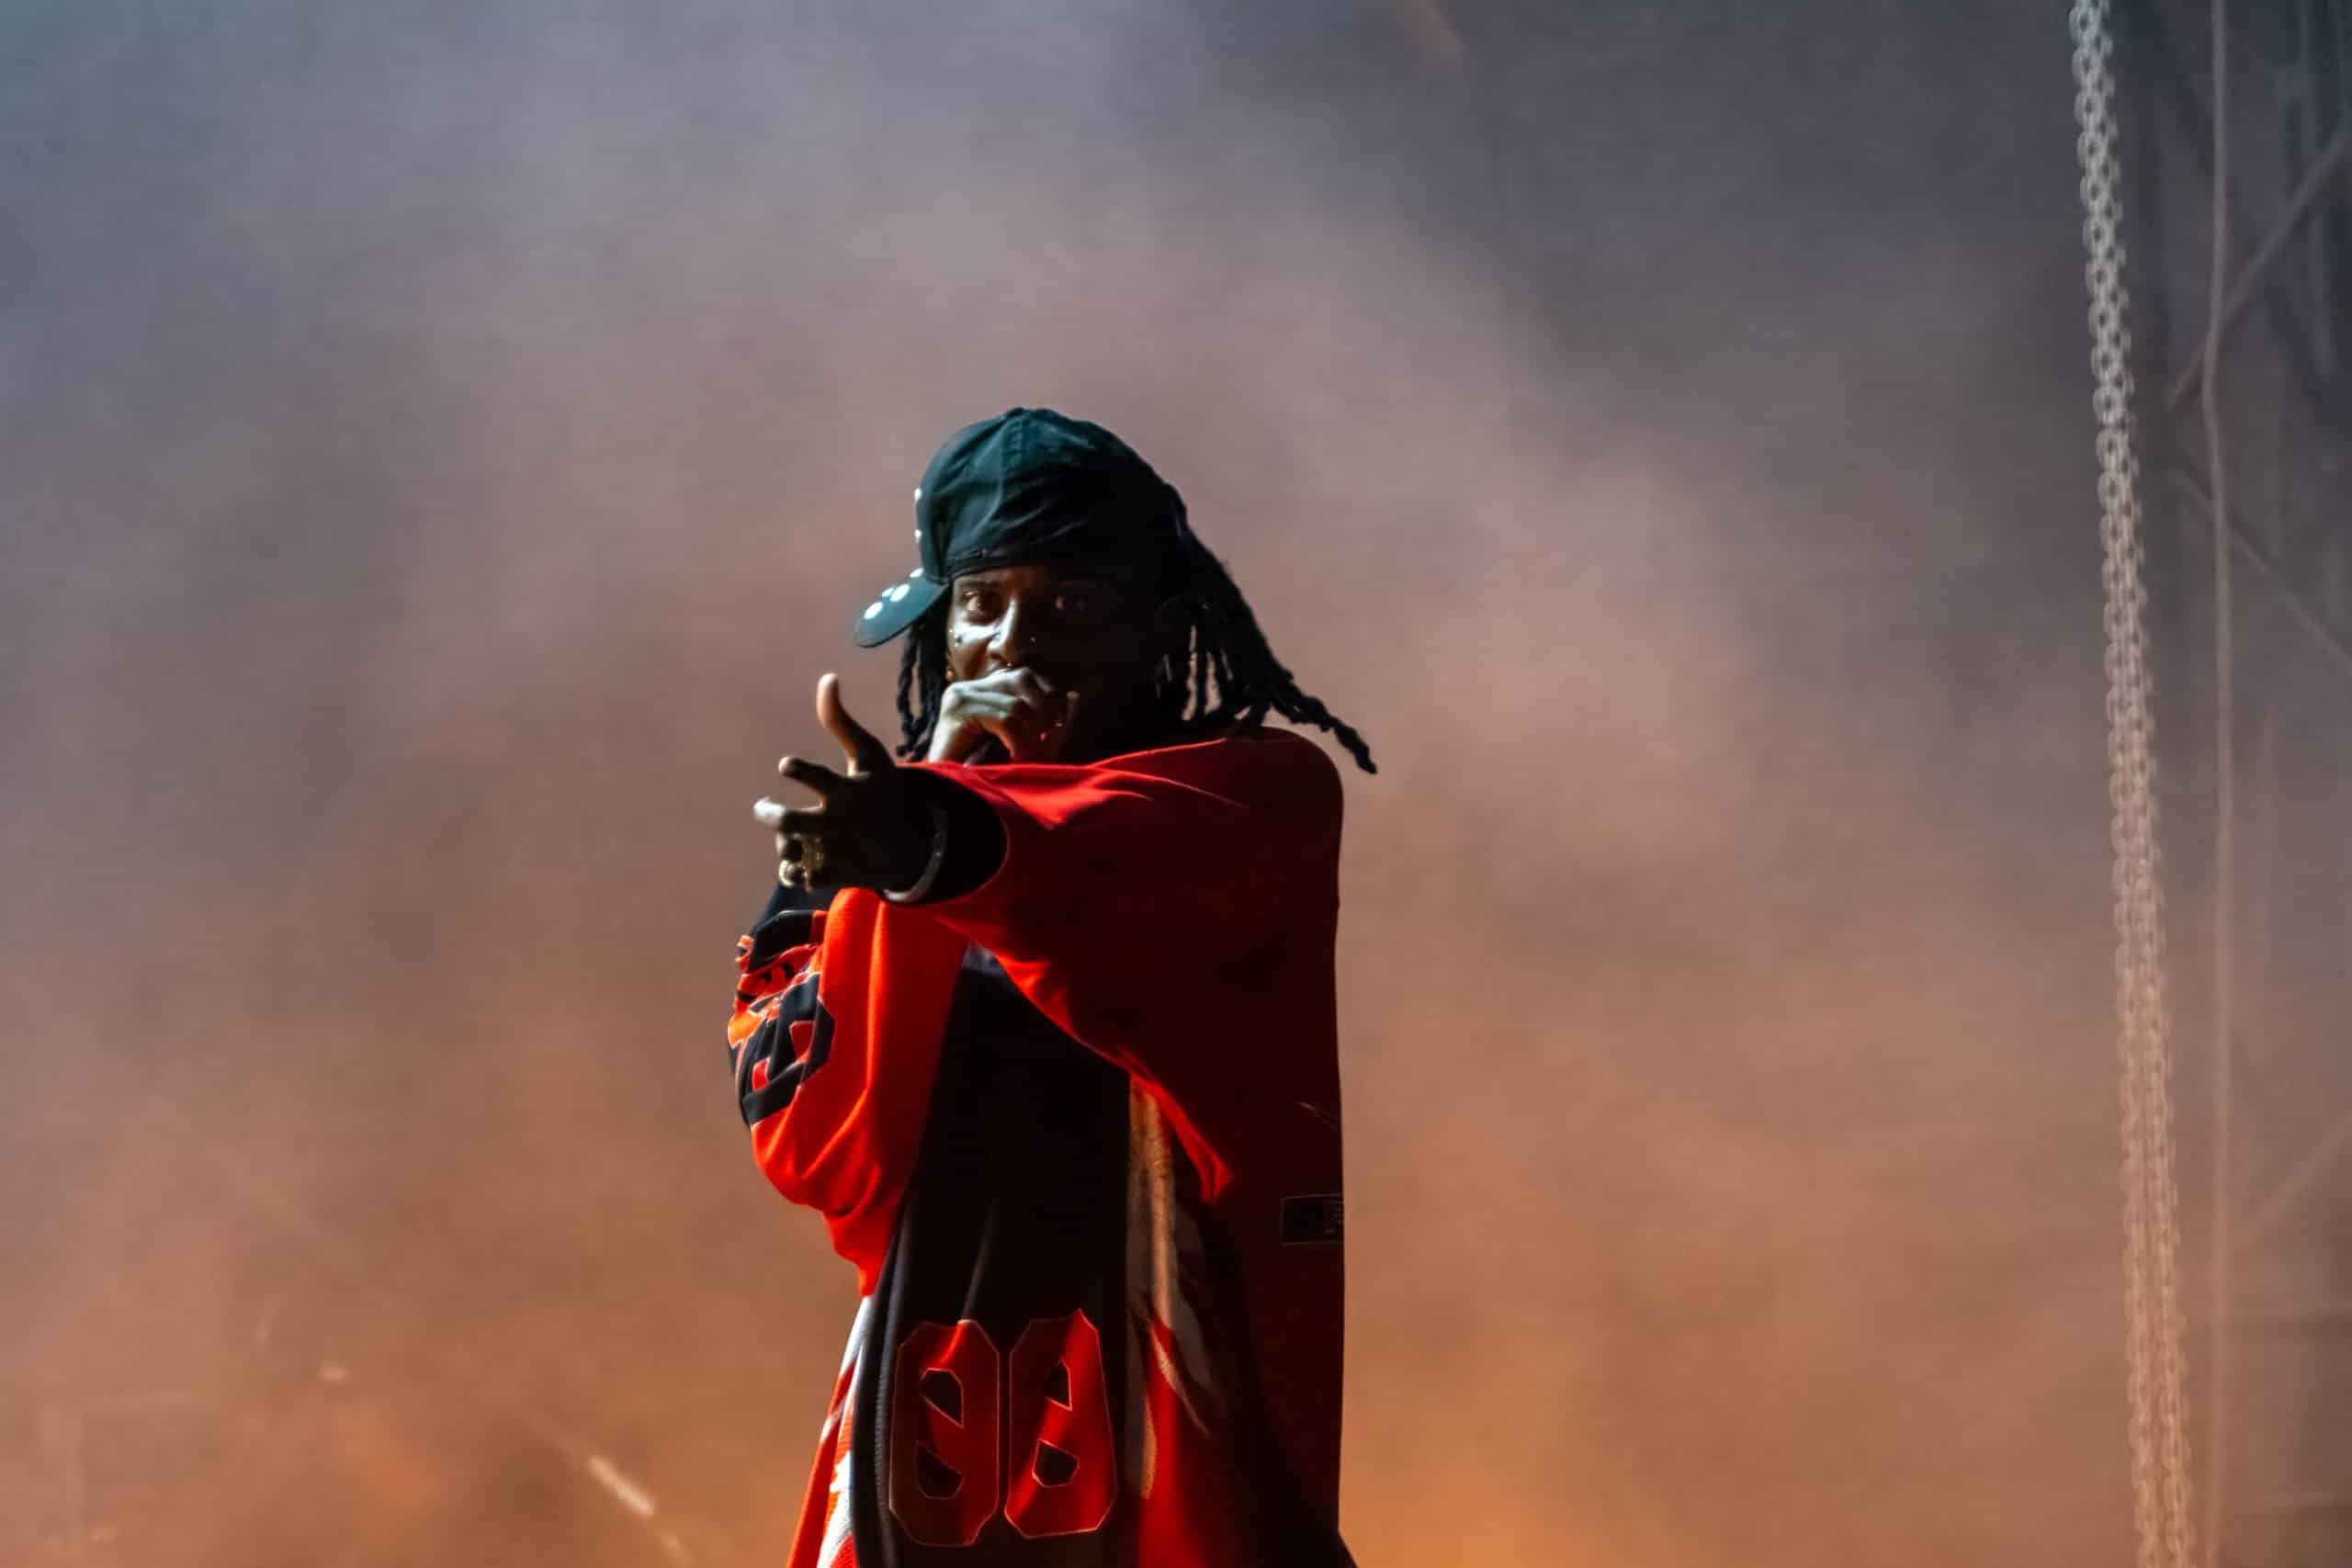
(974,843)
(917,877)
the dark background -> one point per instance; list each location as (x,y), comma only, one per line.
(444,443)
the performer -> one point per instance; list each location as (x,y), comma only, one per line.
(1042,1024)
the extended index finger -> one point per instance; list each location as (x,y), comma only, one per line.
(814,775)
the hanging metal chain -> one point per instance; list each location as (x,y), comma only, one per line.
(2156,1360)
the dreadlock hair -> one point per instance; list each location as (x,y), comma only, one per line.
(1225,678)
(923,679)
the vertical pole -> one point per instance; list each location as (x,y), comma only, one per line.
(2224,1025)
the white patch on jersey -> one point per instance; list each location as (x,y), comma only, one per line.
(828,1551)
(1164,1259)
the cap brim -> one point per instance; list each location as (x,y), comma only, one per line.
(894,609)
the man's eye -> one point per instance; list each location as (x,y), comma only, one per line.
(1071,603)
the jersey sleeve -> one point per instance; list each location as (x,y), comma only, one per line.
(1175,910)
(833,1066)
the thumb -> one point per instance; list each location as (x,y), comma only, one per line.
(864,751)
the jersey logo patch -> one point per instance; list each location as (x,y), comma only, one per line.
(1313,1217)
(792,1042)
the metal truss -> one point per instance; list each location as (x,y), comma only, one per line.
(2282,1297)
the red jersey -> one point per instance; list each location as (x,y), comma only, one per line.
(1079,1132)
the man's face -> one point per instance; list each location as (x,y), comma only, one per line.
(1084,627)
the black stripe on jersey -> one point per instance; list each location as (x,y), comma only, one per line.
(772,1043)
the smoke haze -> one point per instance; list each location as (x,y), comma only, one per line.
(444,444)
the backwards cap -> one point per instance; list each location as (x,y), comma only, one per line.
(1030,484)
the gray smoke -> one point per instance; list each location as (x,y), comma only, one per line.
(444,444)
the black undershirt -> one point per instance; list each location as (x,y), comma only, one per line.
(1016,1212)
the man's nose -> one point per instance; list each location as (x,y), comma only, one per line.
(1012,634)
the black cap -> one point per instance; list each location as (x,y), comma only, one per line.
(1030,484)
